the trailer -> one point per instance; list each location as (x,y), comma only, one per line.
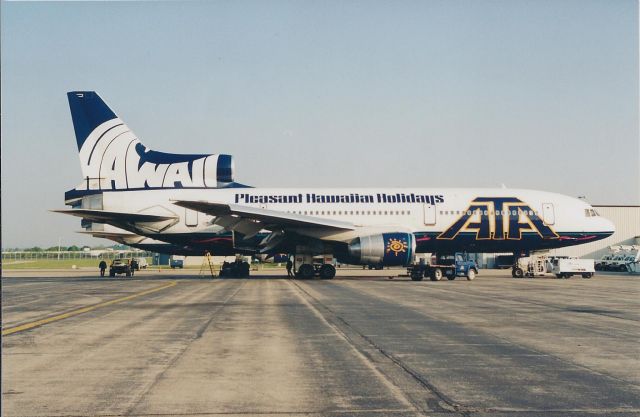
(444,265)
(530,266)
(566,268)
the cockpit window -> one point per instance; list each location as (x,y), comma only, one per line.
(590,213)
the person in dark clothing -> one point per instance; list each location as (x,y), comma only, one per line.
(103,267)
(289,268)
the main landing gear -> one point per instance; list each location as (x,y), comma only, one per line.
(308,268)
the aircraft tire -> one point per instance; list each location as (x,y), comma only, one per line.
(306,271)
(327,271)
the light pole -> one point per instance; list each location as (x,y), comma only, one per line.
(59,242)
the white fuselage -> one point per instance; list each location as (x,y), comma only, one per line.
(429,210)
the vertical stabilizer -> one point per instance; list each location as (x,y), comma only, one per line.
(88,111)
(113,158)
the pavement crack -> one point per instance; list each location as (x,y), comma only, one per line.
(198,335)
(387,365)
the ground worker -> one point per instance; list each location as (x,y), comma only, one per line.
(103,267)
(289,268)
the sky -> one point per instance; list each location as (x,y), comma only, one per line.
(530,94)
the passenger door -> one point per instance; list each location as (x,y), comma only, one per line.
(548,215)
(429,214)
(190,217)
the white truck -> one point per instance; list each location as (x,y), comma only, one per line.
(567,267)
(632,262)
(603,263)
(618,258)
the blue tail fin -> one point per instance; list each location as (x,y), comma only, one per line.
(112,157)
(88,111)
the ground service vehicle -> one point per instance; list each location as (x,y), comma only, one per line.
(176,262)
(603,263)
(631,262)
(566,268)
(121,266)
(531,266)
(445,265)
(236,269)
(618,262)
(141,263)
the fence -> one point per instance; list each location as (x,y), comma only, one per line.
(95,254)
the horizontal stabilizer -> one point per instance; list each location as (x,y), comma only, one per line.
(264,216)
(102,216)
(125,238)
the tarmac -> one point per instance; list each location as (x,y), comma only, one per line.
(176,343)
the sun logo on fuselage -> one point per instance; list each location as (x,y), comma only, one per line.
(396,246)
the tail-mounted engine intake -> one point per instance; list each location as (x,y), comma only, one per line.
(389,249)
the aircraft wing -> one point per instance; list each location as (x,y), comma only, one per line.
(102,216)
(237,217)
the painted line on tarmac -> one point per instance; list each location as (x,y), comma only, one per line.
(72,313)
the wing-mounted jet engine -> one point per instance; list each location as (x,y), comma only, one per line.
(384,249)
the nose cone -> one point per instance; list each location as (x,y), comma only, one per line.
(607,226)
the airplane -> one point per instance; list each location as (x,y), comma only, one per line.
(191,204)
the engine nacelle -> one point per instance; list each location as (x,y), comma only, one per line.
(388,249)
